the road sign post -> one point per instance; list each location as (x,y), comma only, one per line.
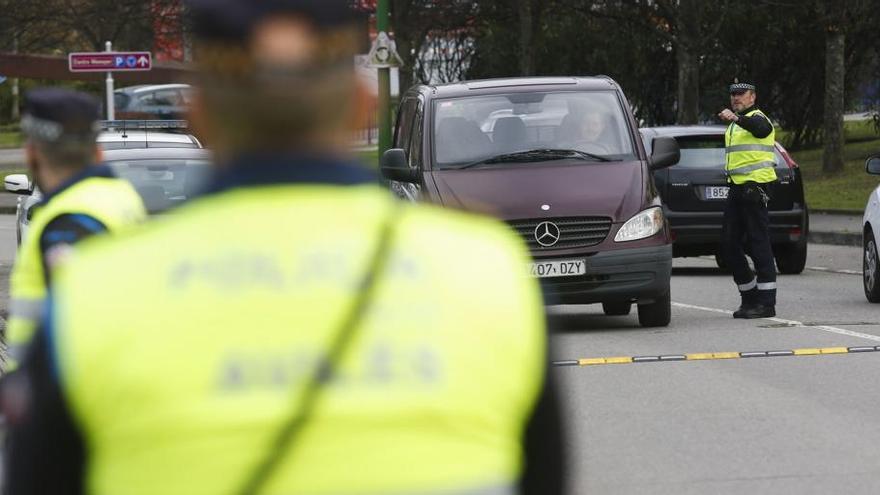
(109,61)
(109,105)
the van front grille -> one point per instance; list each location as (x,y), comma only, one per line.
(569,232)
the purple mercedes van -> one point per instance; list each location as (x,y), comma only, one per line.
(562,162)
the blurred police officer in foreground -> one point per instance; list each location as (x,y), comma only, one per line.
(750,161)
(79,198)
(296,329)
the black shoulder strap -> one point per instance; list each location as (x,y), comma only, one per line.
(305,402)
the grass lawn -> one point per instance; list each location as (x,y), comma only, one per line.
(849,189)
(10,139)
(370,158)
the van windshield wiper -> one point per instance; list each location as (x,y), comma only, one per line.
(537,155)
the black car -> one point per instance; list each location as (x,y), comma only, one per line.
(694,192)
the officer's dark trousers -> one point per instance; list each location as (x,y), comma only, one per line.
(746,227)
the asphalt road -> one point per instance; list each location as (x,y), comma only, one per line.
(12,158)
(802,424)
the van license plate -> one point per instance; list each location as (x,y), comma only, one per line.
(716,192)
(558,268)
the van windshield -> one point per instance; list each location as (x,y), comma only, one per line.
(472,129)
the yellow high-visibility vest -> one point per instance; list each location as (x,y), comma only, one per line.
(181,348)
(111,201)
(750,158)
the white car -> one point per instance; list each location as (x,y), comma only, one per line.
(871,235)
(114,140)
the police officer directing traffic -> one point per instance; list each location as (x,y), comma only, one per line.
(296,329)
(79,199)
(749,139)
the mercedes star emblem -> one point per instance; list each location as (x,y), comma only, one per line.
(547,234)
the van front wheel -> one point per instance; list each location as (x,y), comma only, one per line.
(657,313)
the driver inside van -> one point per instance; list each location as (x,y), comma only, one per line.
(583,132)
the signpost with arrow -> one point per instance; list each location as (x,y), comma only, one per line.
(109,61)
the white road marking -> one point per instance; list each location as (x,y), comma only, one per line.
(793,323)
(831,270)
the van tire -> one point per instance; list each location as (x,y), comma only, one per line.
(657,313)
(617,308)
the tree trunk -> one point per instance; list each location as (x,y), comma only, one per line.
(14,113)
(688,86)
(832,159)
(526,43)
(687,34)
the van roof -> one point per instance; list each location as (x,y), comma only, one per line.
(516,84)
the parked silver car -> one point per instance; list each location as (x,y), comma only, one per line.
(164,177)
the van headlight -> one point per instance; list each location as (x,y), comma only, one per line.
(643,224)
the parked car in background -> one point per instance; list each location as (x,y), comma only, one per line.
(580,195)
(119,134)
(695,189)
(152,101)
(170,147)
(871,235)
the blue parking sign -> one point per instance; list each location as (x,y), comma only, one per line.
(130,61)
(119,61)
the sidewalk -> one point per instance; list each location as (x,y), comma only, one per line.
(843,229)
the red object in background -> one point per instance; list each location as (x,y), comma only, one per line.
(167,30)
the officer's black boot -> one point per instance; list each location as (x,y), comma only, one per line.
(756,311)
(749,300)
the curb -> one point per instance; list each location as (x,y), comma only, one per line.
(835,238)
(830,211)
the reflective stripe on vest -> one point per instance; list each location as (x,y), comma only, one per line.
(25,308)
(113,202)
(750,158)
(20,327)
(751,168)
(750,147)
(198,349)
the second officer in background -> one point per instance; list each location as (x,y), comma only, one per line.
(80,199)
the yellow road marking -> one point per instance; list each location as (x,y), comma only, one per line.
(835,350)
(608,360)
(706,356)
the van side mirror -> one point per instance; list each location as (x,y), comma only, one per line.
(665,154)
(872,165)
(394,166)
(17,183)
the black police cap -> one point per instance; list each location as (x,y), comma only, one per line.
(233,20)
(53,114)
(739,87)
